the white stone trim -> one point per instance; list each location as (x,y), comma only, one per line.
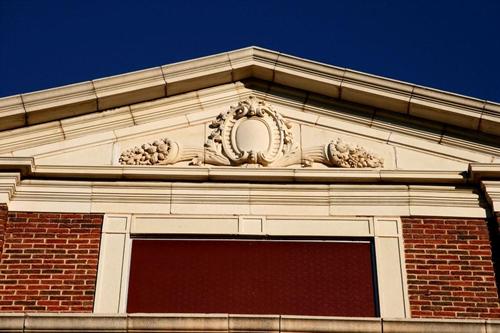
(183,224)
(386,232)
(163,115)
(113,270)
(319,226)
(8,183)
(252,225)
(480,171)
(179,198)
(27,167)
(268,225)
(227,68)
(492,190)
(342,83)
(391,271)
(224,323)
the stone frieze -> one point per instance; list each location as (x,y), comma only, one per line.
(252,133)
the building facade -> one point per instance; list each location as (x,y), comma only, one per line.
(249,191)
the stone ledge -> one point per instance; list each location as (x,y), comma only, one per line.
(61,322)
(482,171)
(26,166)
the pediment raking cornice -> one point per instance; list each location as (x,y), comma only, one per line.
(339,83)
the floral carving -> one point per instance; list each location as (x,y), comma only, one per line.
(159,152)
(148,153)
(251,132)
(337,153)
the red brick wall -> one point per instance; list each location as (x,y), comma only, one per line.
(49,262)
(449,268)
(3,223)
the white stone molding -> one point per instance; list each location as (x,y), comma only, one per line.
(403,200)
(12,112)
(391,271)
(114,263)
(162,115)
(27,168)
(491,189)
(252,62)
(386,232)
(252,225)
(224,323)
(244,198)
(8,183)
(479,171)
(153,224)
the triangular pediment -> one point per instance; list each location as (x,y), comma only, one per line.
(296,113)
(250,123)
(249,63)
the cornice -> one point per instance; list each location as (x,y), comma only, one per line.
(232,190)
(28,169)
(79,322)
(483,171)
(195,108)
(8,184)
(340,83)
(211,198)
(492,191)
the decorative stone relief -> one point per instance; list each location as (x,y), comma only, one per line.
(251,133)
(336,153)
(161,152)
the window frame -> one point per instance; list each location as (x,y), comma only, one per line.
(120,229)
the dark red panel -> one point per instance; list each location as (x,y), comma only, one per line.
(252,277)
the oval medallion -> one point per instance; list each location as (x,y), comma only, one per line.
(252,135)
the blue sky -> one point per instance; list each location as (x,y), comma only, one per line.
(449,45)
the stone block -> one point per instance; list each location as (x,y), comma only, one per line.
(329,324)
(62,102)
(12,112)
(130,88)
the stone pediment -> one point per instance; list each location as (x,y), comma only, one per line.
(249,63)
(248,124)
(250,108)
(251,133)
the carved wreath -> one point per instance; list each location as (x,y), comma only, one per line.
(251,133)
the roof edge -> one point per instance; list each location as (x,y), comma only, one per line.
(250,62)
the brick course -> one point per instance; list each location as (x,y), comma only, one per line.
(449,268)
(49,262)
(3,223)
